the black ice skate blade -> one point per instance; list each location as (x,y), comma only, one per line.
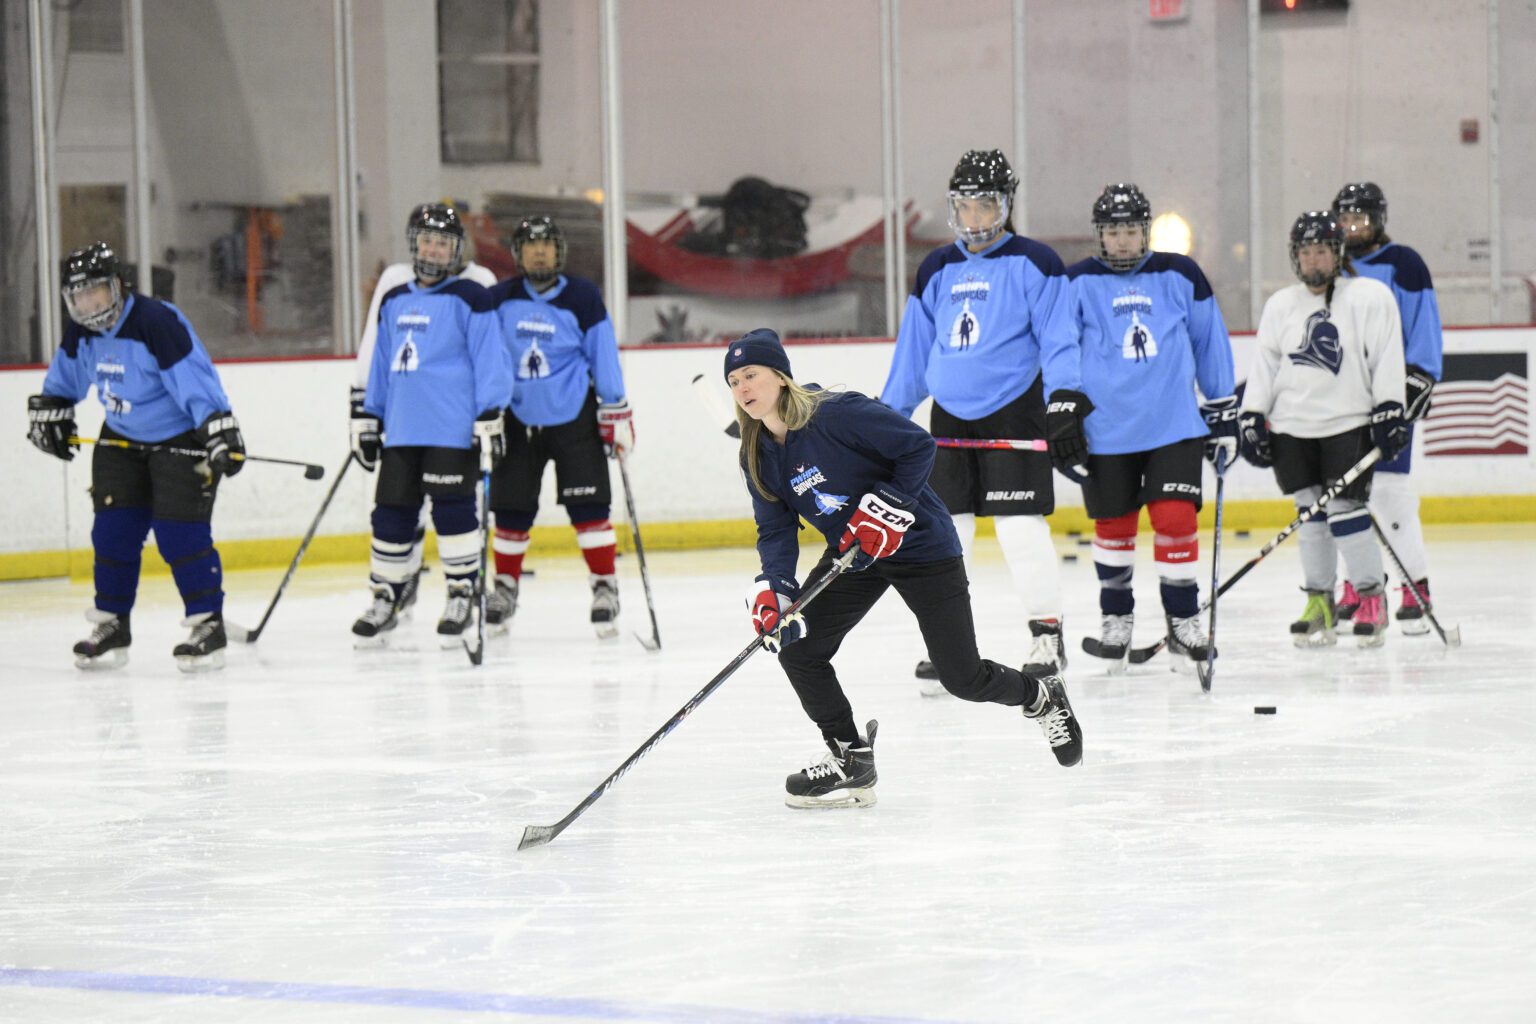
(115,658)
(192,664)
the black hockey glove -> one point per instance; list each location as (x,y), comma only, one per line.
(366,440)
(1253,440)
(489,435)
(221,436)
(1416,403)
(53,424)
(1064,428)
(1389,431)
(1220,417)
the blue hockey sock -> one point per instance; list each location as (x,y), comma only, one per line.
(117,536)
(188,549)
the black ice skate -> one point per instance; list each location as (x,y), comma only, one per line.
(605,606)
(1048,651)
(928,680)
(501,603)
(1053,713)
(845,777)
(1113,643)
(381,617)
(203,651)
(408,593)
(107,646)
(456,613)
(1315,627)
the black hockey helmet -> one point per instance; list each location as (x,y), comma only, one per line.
(442,219)
(1317,226)
(982,174)
(1122,203)
(85,269)
(539,228)
(1364,197)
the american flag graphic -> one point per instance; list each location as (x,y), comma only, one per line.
(1480,406)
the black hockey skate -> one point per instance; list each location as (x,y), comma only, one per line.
(203,651)
(1048,649)
(605,606)
(456,613)
(845,777)
(928,683)
(1113,644)
(409,590)
(107,646)
(381,617)
(1187,646)
(1053,713)
(501,603)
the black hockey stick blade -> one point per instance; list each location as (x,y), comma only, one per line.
(650,645)
(538,835)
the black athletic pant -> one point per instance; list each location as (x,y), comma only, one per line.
(938,593)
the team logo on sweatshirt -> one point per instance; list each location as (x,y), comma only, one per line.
(532,365)
(1320,346)
(966,330)
(408,355)
(806,480)
(114,402)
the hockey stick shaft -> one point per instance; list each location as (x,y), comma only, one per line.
(1451,638)
(634,528)
(1209,676)
(1141,654)
(993,444)
(311,470)
(721,410)
(477,653)
(251,636)
(538,835)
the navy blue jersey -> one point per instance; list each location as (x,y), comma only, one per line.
(562,345)
(151,372)
(1402,270)
(980,326)
(1147,337)
(852,445)
(438,363)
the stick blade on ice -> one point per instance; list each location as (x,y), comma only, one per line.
(537,835)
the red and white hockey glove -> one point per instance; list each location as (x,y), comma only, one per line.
(767,600)
(616,426)
(877,526)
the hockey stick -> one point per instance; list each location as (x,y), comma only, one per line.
(1451,638)
(311,470)
(1077,474)
(538,835)
(249,636)
(1140,655)
(477,652)
(645,576)
(993,444)
(720,410)
(1207,672)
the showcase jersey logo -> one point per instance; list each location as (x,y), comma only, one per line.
(1480,406)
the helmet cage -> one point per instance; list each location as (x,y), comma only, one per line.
(539,229)
(1122,204)
(437,219)
(1317,226)
(985,234)
(84,270)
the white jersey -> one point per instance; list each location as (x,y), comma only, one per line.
(1319,371)
(393,277)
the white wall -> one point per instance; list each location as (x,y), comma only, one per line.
(683,469)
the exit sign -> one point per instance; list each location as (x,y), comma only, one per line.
(1167,10)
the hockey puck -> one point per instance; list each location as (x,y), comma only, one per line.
(1263,711)
(1242,534)
(1084,543)
(1069,558)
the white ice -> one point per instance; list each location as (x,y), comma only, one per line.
(319,834)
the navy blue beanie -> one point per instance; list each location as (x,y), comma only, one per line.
(760,347)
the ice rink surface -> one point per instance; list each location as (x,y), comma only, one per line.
(319,834)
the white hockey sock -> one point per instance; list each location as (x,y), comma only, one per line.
(460,554)
(1031,558)
(965,526)
(394,562)
(1395,504)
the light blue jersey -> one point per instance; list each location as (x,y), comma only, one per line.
(151,372)
(562,346)
(1148,335)
(1402,270)
(979,327)
(438,363)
